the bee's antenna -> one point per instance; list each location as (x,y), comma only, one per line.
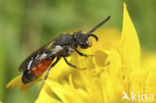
(100,24)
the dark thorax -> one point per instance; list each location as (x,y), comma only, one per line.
(65,42)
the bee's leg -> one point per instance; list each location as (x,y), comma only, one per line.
(82,54)
(51,68)
(46,75)
(71,65)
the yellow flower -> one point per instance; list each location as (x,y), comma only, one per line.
(114,69)
(17,82)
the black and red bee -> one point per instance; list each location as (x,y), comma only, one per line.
(61,47)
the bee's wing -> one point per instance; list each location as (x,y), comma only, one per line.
(41,54)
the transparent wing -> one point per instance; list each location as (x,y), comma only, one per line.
(36,57)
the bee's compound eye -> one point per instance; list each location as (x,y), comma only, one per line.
(86,44)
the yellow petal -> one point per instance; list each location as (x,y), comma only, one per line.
(149,61)
(67,93)
(16,83)
(129,44)
(44,97)
(115,67)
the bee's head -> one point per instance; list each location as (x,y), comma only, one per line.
(82,39)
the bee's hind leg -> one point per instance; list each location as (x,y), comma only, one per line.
(46,75)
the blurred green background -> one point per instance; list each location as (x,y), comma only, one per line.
(25,25)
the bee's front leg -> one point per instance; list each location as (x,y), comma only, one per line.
(82,54)
(71,65)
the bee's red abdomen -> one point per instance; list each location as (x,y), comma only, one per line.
(39,69)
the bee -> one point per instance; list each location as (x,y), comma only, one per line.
(61,47)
